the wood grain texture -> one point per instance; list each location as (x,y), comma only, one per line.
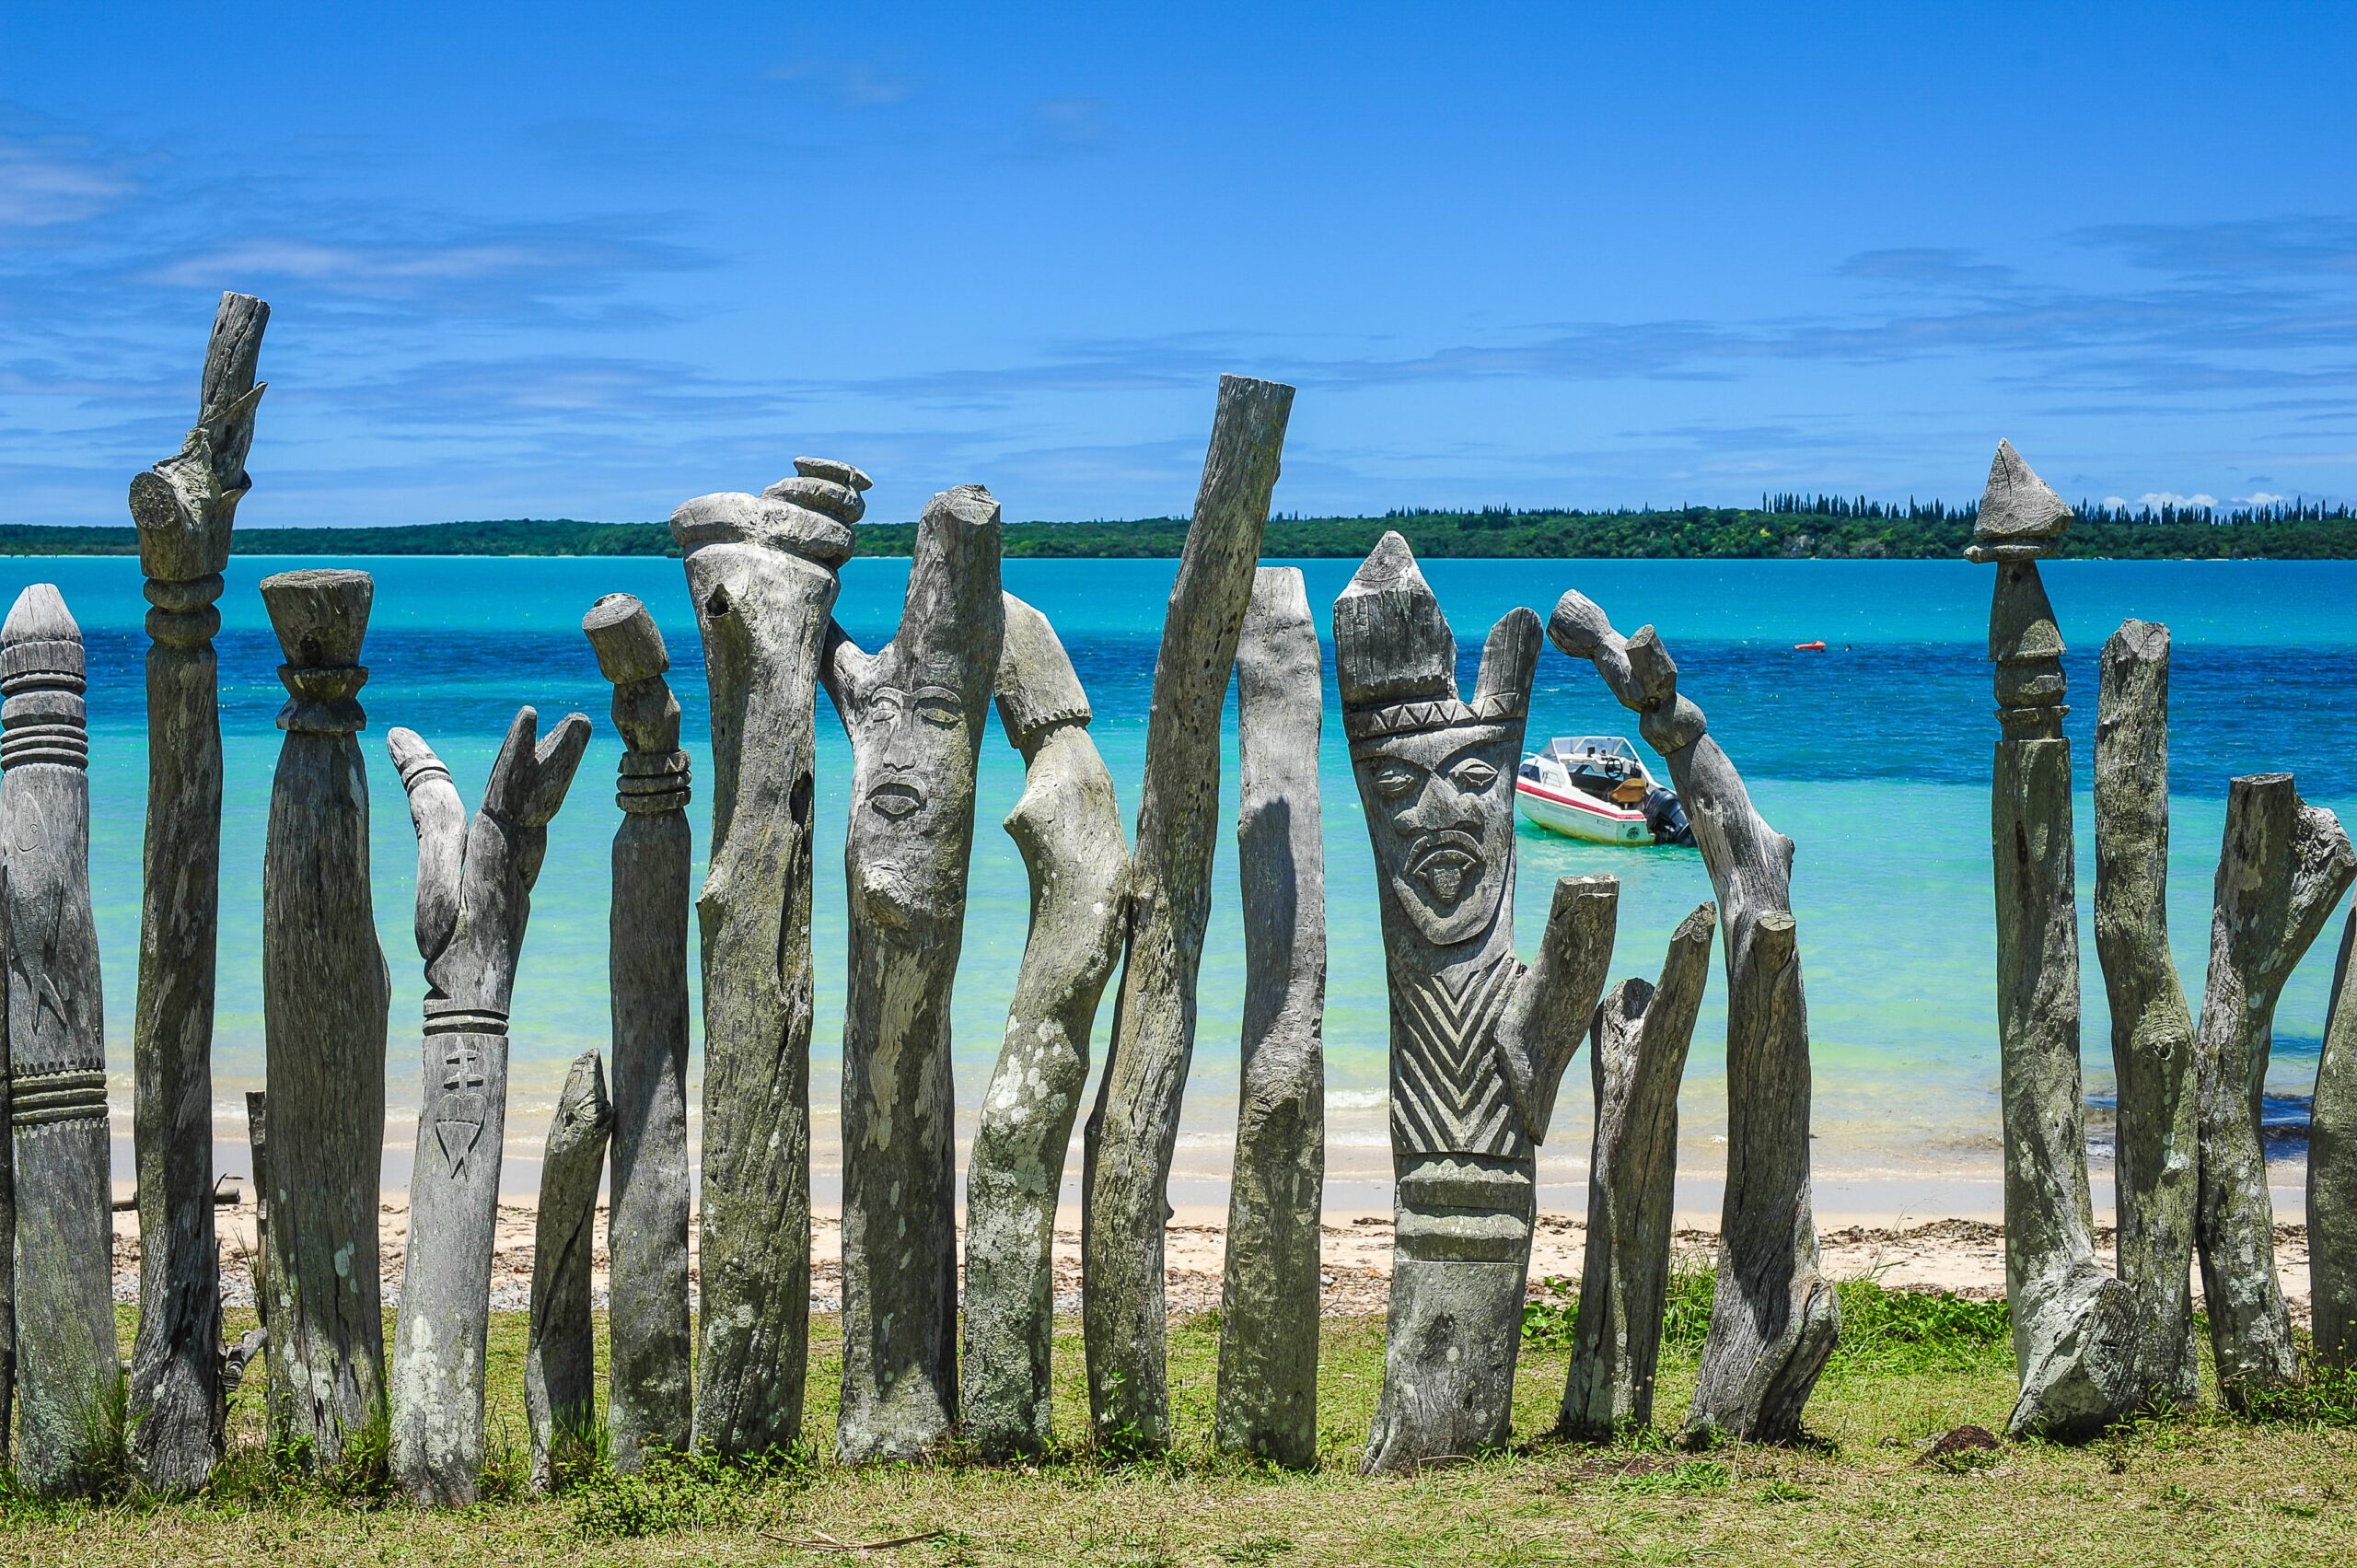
(1267,1401)
(1067,826)
(761,570)
(1133,1128)
(326,994)
(1773,1321)
(68,1375)
(914,712)
(183,507)
(560,1347)
(2332,1172)
(1637,1056)
(474,887)
(651,1405)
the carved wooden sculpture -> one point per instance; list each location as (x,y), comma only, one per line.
(761,571)
(1268,1342)
(915,712)
(1638,1055)
(652,1400)
(183,506)
(2285,865)
(474,886)
(325,997)
(2152,1033)
(561,1353)
(1133,1131)
(2332,1173)
(1068,828)
(2073,1324)
(1479,1044)
(1773,1321)
(67,1372)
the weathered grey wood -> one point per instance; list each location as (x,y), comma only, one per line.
(2284,866)
(651,1399)
(1637,1056)
(2156,1166)
(474,895)
(761,571)
(68,1375)
(183,506)
(1478,1045)
(1267,1403)
(326,993)
(256,1341)
(1773,1321)
(915,712)
(561,1351)
(1133,1128)
(1068,828)
(2332,1173)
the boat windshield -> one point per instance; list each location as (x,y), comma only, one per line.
(1609,754)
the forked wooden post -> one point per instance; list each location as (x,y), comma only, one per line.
(1133,1131)
(1479,1044)
(1267,1403)
(1068,828)
(474,894)
(326,993)
(183,506)
(915,712)
(561,1350)
(68,1375)
(762,569)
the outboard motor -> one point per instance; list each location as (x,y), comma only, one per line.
(1666,817)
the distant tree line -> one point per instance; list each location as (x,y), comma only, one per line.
(1782,525)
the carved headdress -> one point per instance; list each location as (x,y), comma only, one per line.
(1396,658)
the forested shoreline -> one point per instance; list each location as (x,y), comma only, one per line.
(1786,526)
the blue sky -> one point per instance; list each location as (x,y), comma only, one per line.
(589,260)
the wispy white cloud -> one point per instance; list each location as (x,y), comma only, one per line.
(848,82)
(48,180)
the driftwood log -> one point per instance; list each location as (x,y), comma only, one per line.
(760,569)
(1068,828)
(2283,869)
(2332,1173)
(1267,1404)
(651,1405)
(1479,1044)
(1133,1130)
(183,506)
(1637,1056)
(914,712)
(474,887)
(256,1340)
(1773,1321)
(561,1350)
(68,1375)
(2073,1323)
(325,997)
(2156,1169)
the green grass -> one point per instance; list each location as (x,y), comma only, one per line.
(2192,1489)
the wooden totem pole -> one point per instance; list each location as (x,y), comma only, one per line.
(1068,828)
(325,997)
(183,506)
(67,1374)
(474,887)
(762,569)
(915,715)
(1268,1340)
(561,1353)
(1133,1131)
(652,1398)
(1774,1319)
(1479,1044)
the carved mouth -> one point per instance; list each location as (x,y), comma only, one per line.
(894,801)
(1446,865)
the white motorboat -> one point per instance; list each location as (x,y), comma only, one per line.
(1595,787)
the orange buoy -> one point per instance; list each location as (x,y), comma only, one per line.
(1815,647)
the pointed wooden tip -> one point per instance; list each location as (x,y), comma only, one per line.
(1392,643)
(2017,508)
(40,616)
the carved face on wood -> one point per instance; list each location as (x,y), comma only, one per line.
(1440,809)
(913,806)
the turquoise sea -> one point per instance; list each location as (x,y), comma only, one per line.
(1873,756)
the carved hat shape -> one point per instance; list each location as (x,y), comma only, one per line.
(320,615)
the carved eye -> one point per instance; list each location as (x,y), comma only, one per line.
(1392,782)
(940,711)
(1474,774)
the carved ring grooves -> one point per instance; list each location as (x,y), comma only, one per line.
(453,1018)
(650,783)
(38,1099)
(323,699)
